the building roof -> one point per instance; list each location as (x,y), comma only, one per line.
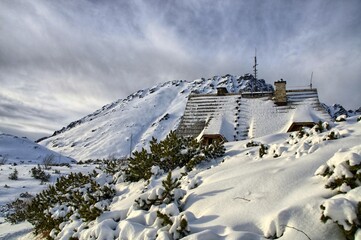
(219,125)
(305,113)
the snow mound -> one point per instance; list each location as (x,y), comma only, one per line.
(22,150)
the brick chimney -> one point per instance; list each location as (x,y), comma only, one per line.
(280,93)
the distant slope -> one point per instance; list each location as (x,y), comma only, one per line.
(128,124)
(16,150)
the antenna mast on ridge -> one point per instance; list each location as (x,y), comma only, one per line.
(254,70)
(311,80)
(255,63)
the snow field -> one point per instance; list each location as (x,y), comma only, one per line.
(240,196)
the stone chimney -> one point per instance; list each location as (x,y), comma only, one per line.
(280,93)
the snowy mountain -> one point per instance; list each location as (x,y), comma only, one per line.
(17,150)
(129,124)
(336,110)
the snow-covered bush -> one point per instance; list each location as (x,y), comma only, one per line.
(341,118)
(252,144)
(333,135)
(170,192)
(170,153)
(302,132)
(263,150)
(76,196)
(194,161)
(112,165)
(162,205)
(345,210)
(14,175)
(304,141)
(177,226)
(343,170)
(16,210)
(313,136)
(39,173)
(321,126)
(214,150)
(194,182)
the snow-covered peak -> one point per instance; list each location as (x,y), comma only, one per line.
(336,110)
(234,84)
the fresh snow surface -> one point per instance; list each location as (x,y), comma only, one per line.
(242,196)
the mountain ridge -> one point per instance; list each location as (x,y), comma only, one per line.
(245,85)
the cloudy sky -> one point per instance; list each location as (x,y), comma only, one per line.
(61,60)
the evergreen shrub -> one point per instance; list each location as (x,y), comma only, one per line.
(252,144)
(170,192)
(170,153)
(112,165)
(321,126)
(76,195)
(343,173)
(40,174)
(263,150)
(167,202)
(343,176)
(14,175)
(348,227)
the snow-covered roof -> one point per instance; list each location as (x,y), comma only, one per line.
(305,113)
(219,125)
